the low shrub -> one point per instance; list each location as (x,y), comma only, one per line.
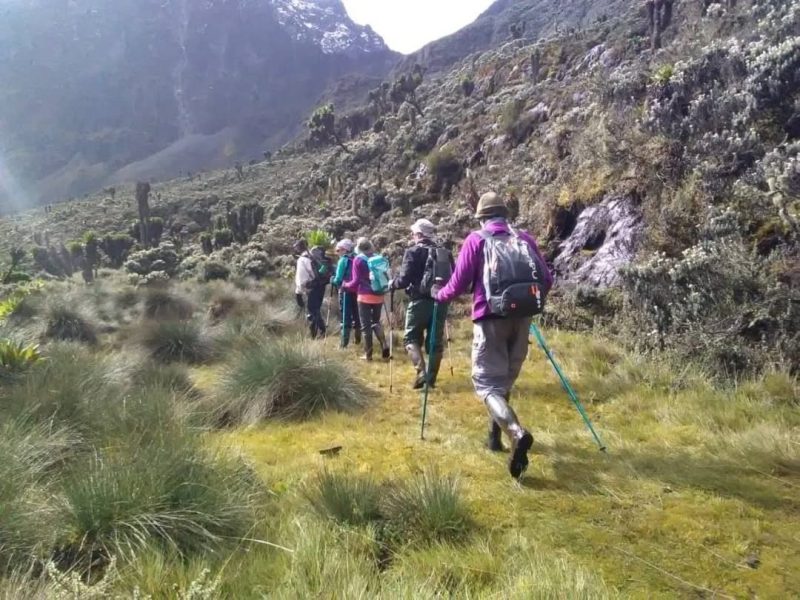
(515,123)
(719,304)
(215,271)
(446,170)
(285,380)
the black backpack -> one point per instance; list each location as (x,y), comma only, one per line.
(438,269)
(513,276)
(323,266)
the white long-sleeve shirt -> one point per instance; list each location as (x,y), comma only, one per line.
(305,273)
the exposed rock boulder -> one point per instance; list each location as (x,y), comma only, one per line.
(605,238)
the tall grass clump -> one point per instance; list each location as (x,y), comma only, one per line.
(167,492)
(285,380)
(67,324)
(427,508)
(346,499)
(242,332)
(329,562)
(162,304)
(176,341)
(64,389)
(173,377)
(520,570)
(28,510)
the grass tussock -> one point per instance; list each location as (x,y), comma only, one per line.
(241,333)
(66,388)
(98,466)
(345,499)
(176,341)
(167,492)
(29,519)
(287,381)
(427,508)
(174,377)
(165,305)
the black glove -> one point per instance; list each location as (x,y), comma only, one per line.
(299,299)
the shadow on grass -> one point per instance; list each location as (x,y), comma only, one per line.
(578,469)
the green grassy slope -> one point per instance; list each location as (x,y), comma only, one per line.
(698,495)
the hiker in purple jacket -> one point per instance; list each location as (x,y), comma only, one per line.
(500,343)
(370,302)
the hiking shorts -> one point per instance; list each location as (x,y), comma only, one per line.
(499,349)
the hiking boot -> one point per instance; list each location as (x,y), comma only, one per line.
(419,382)
(367,357)
(387,353)
(521,442)
(494,442)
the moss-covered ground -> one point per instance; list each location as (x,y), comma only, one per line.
(698,495)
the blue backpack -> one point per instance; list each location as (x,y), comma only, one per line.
(379,269)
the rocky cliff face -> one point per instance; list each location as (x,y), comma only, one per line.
(94,93)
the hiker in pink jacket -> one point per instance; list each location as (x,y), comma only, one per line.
(518,280)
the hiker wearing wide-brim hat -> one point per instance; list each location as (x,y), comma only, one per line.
(509,278)
(418,274)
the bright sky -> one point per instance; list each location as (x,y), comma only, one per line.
(407,25)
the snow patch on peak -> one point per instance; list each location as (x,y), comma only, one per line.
(327,24)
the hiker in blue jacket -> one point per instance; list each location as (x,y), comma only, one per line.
(348,301)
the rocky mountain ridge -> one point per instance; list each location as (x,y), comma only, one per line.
(529,20)
(95,94)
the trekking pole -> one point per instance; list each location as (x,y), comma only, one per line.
(429,371)
(344,318)
(390,318)
(449,349)
(328,318)
(566,385)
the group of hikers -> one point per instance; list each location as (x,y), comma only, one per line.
(502,268)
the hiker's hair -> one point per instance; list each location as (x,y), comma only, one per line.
(364,246)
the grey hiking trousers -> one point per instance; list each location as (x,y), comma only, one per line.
(499,349)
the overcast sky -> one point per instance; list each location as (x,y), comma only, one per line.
(407,25)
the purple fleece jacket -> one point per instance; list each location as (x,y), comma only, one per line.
(469,269)
(359,282)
